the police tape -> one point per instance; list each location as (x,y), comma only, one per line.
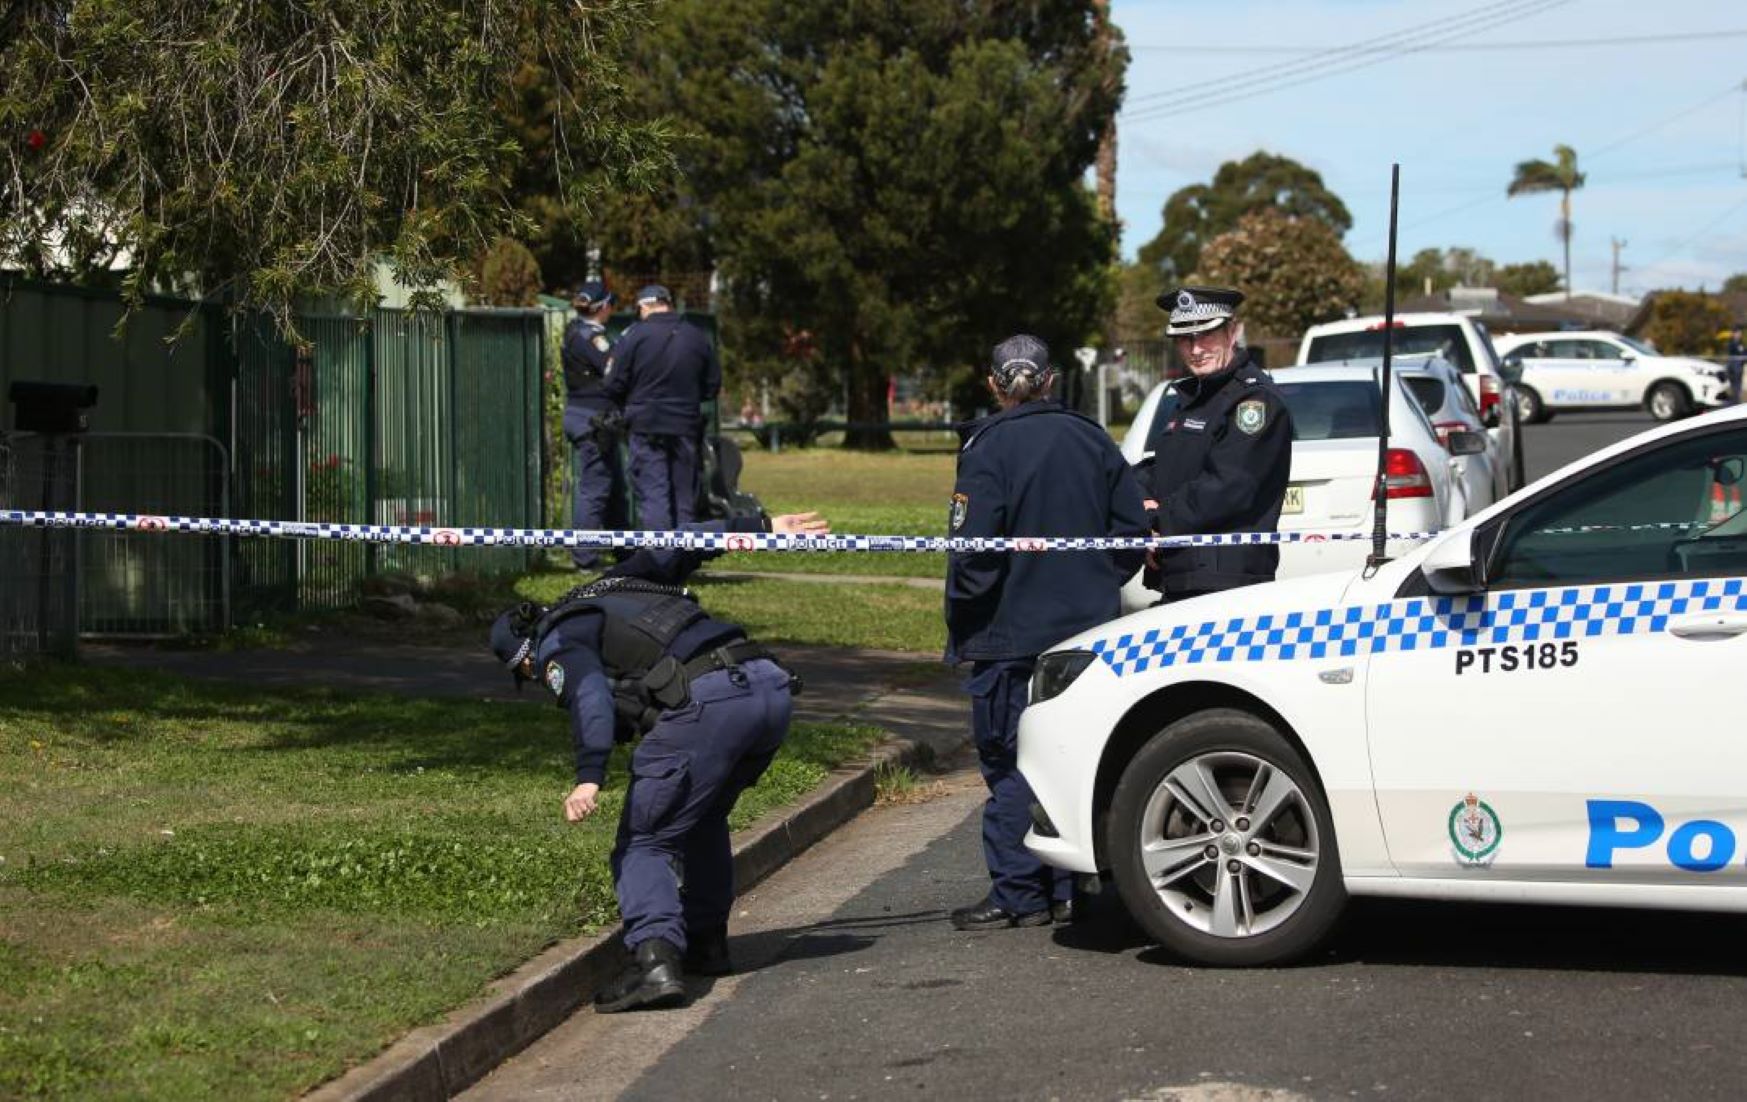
(430,536)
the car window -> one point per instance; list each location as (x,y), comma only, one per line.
(1447,341)
(1427,391)
(1644,347)
(1566,350)
(1600,350)
(1674,510)
(1333,410)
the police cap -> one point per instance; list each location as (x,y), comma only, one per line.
(1020,355)
(653,294)
(1198,309)
(511,640)
(593,293)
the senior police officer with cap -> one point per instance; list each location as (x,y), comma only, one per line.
(661,373)
(591,419)
(1035,468)
(1225,455)
(630,654)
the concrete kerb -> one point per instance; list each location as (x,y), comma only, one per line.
(440,1061)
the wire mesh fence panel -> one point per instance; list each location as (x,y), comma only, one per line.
(267,477)
(414,415)
(336,455)
(142,583)
(38,574)
(496,452)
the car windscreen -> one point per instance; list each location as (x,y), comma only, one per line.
(1335,410)
(1447,341)
(1427,391)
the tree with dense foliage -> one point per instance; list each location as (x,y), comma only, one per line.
(509,275)
(1198,213)
(1560,175)
(1293,270)
(1736,284)
(1689,323)
(1536,277)
(884,188)
(259,153)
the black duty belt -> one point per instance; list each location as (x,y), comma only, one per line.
(727,657)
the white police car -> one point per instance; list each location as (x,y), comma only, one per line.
(1603,370)
(1242,762)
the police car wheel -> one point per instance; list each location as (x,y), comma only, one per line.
(1221,843)
(1530,410)
(1668,402)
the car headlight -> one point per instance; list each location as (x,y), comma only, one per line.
(1057,670)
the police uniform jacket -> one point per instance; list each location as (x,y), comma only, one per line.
(584,356)
(1222,465)
(568,660)
(662,370)
(1037,469)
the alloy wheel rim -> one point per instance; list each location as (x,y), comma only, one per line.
(1230,845)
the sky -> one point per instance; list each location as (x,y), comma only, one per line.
(1458,92)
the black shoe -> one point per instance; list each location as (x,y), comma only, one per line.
(987,916)
(706,953)
(1062,910)
(653,979)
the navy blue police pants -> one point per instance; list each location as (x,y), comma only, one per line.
(599,498)
(664,470)
(672,865)
(1021,883)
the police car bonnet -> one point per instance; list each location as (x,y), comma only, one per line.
(1198,309)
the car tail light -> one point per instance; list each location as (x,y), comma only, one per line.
(1445,428)
(1404,476)
(1491,396)
(1377,326)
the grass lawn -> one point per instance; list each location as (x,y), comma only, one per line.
(211,891)
(861,493)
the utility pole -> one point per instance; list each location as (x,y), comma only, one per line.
(1618,267)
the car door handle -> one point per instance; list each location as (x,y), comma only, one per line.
(1708,626)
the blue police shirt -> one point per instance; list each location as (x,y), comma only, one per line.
(1038,469)
(584,357)
(661,372)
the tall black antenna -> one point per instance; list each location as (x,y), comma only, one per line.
(1380,490)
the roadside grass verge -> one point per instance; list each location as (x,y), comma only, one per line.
(778,610)
(209,891)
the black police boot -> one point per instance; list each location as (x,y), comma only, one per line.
(706,952)
(987,916)
(653,979)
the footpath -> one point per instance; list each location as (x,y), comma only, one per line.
(914,698)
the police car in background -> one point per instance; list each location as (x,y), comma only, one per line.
(1336,416)
(1602,370)
(1242,762)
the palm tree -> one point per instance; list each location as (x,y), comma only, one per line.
(1562,176)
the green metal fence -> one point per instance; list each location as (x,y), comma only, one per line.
(393,417)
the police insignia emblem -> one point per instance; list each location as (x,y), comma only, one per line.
(554,678)
(1185,300)
(600,342)
(961,505)
(1474,831)
(1251,416)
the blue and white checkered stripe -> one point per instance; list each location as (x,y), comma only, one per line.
(1425,623)
(696,541)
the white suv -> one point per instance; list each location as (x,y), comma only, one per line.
(1595,369)
(1457,338)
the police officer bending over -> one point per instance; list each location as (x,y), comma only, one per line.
(661,373)
(1225,456)
(591,419)
(1033,469)
(632,654)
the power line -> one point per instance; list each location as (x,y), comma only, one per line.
(1480,47)
(1380,42)
(1653,127)
(1696,234)
(1200,100)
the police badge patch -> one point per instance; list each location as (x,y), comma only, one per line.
(554,678)
(961,505)
(1251,416)
(600,342)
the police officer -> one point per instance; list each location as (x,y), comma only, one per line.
(632,654)
(1033,469)
(590,418)
(1225,456)
(661,373)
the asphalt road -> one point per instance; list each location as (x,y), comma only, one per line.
(854,986)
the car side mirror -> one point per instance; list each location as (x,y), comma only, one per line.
(1729,472)
(1511,368)
(1628,355)
(1467,443)
(1450,566)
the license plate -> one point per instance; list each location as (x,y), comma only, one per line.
(1294,500)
